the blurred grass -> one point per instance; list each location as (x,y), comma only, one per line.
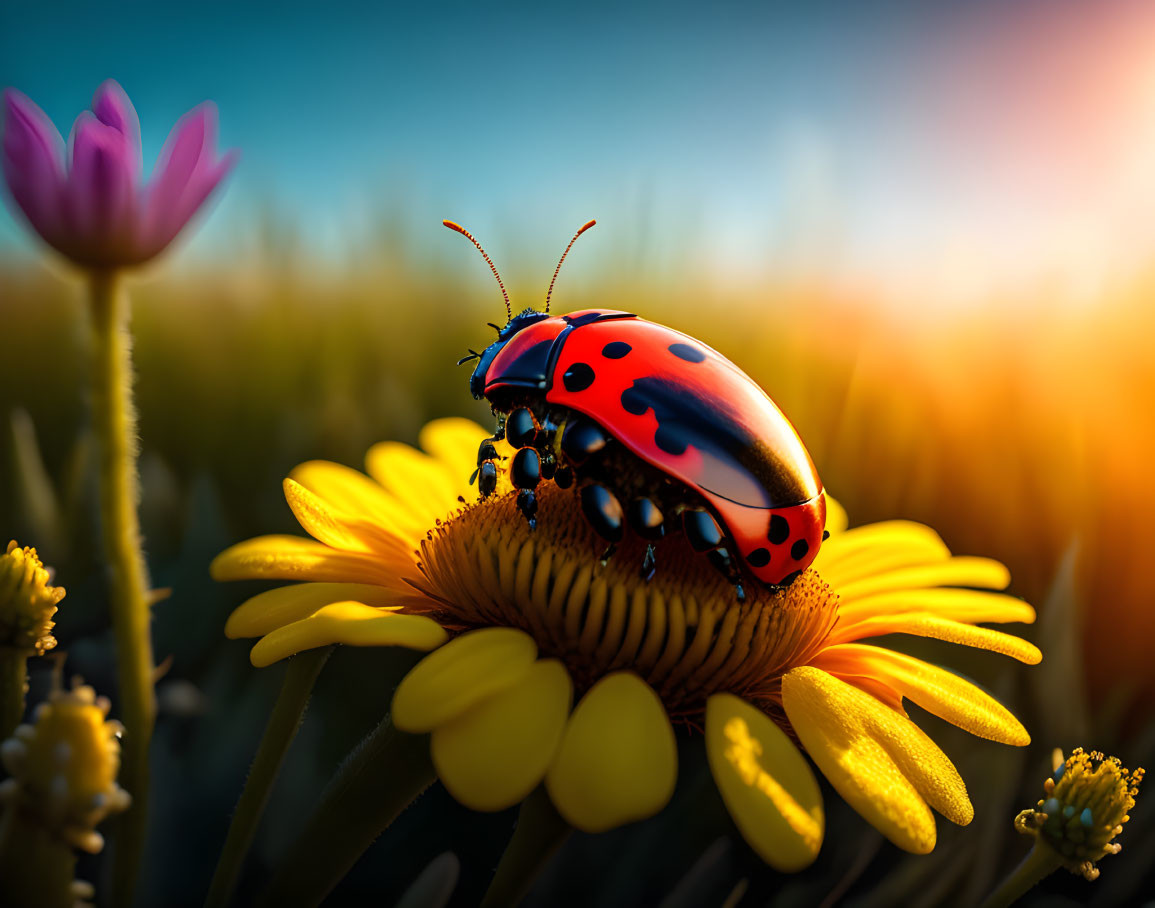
(1017,428)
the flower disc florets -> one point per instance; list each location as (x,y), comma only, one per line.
(685,632)
(1087,801)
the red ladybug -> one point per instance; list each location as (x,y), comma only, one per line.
(660,432)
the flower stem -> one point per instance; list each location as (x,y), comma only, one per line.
(36,867)
(13,684)
(1040,863)
(115,420)
(300,676)
(539,834)
(382,776)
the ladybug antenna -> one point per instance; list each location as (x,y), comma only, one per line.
(469,236)
(584,227)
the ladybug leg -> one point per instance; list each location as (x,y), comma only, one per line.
(525,473)
(486,473)
(646,519)
(704,535)
(701,529)
(720,558)
(544,443)
(581,439)
(527,504)
(487,478)
(649,563)
(603,511)
(521,428)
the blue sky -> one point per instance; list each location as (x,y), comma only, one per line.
(748,133)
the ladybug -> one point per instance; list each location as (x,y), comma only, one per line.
(657,431)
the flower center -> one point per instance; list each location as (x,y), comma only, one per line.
(684,631)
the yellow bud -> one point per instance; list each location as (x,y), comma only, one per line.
(1086,803)
(64,766)
(27,601)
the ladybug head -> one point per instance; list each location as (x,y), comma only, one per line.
(484,359)
(514,323)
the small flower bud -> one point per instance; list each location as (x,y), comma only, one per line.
(1086,803)
(64,767)
(27,601)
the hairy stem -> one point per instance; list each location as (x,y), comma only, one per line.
(300,676)
(1035,867)
(36,867)
(115,423)
(539,834)
(382,776)
(13,687)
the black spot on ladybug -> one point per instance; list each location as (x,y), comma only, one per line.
(736,465)
(799,549)
(670,440)
(779,529)
(578,377)
(759,557)
(635,401)
(688,353)
(616,349)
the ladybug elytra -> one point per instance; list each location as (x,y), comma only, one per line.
(658,432)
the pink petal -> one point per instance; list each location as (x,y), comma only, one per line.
(32,155)
(113,108)
(178,159)
(200,186)
(101,190)
(186,173)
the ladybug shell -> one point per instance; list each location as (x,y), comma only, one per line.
(687,410)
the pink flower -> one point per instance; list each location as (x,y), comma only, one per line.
(89,201)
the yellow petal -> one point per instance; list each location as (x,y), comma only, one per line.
(344,530)
(355,493)
(296,558)
(936,690)
(984,573)
(419,482)
(840,568)
(836,519)
(618,762)
(881,763)
(971,606)
(351,623)
(873,538)
(453,442)
(922,624)
(765,783)
(267,611)
(493,755)
(464,672)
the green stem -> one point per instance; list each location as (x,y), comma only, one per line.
(115,420)
(382,776)
(539,834)
(36,867)
(300,676)
(1035,867)
(13,687)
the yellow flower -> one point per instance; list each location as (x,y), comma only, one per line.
(523,623)
(64,767)
(27,601)
(1086,803)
